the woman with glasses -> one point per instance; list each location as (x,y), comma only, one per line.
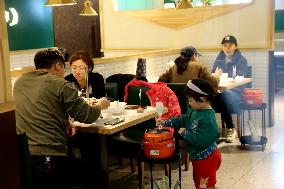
(82,65)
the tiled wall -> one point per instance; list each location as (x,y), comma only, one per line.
(21,60)
(156,65)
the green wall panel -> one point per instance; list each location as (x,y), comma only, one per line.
(35,25)
(279,20)
(121,4)
(169,1)
(137,4)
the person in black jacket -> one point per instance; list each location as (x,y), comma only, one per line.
(81,65)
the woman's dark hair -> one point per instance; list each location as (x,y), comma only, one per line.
(85,56)
(202,85)
(45,58)
(182,63)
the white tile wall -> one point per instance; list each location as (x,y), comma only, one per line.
(21,60)
(156,65)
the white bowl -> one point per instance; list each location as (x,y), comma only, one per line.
(116,108)
(117,104)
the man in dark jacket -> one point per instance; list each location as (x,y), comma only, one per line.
(231,61)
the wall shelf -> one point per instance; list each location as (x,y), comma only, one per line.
(181,18)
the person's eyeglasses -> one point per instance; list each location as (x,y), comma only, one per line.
(80,68)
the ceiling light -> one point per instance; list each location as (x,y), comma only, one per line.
(59,2)
(88,10)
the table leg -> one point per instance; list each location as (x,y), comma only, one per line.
(103,152)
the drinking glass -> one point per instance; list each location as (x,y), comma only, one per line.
(159,110)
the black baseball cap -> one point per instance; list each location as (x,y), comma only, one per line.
(229,39)
(189,51)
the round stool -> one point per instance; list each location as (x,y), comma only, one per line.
(165,161)
(248,139)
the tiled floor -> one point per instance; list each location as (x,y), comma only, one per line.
(240,169)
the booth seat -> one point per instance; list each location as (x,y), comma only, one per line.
(112,91)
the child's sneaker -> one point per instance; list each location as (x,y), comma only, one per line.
(231,135)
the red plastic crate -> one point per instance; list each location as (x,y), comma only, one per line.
(252,96)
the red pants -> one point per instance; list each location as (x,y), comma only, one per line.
(204,171)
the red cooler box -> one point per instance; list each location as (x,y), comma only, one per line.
(159,143)
(253,96)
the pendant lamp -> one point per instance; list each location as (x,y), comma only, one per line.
(59,2)
(88,9)
(184,4)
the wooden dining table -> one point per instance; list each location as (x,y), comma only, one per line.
(230,83)
(102,131)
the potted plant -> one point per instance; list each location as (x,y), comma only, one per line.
(208,2)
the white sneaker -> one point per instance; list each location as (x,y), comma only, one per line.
(231,135)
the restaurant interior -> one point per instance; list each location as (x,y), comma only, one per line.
(119,33)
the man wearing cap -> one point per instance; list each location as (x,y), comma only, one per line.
(231,61)
(187,67)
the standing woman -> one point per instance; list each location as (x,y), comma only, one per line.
(80,64)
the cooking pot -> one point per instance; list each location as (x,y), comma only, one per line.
(159,143)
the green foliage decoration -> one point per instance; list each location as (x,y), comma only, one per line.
(164,183)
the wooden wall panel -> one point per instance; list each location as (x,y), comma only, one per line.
(9,168)
(5,82)
(75,32)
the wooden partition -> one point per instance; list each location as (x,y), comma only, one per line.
(5,82)
(9,166)
(75,32)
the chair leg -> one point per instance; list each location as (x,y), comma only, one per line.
(151,170)
(186,161)
(141,175)
(166,168)
(223,122)
(119,161)
(133,164)
(170,176)
(239,125)
(179,171)
(249,114)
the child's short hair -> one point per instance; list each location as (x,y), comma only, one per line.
(199,88)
